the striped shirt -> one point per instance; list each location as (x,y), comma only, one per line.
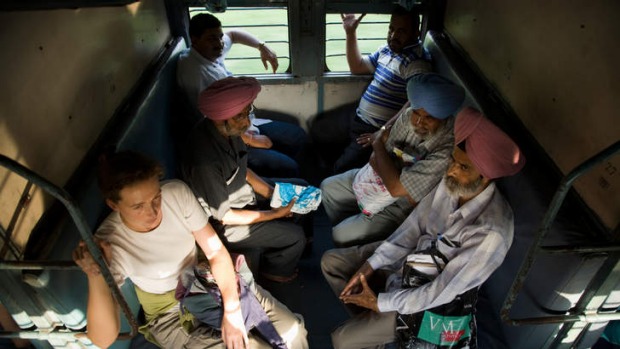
(480,233)
(387,91)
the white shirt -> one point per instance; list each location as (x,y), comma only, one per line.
(195,73)
(154,260)
(482,230)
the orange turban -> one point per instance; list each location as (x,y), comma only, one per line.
(493,153)
(226,98)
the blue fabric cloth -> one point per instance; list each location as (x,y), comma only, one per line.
(307,198)
(439,96)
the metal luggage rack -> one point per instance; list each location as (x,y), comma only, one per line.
(590,308)
(86,234)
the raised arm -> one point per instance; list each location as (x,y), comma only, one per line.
(234,332)
(245,38)
(354,57)
(102,311)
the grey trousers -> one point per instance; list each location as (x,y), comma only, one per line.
(365,329)
(282,243)
(351,227)
(168,332)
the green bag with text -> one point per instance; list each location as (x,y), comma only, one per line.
(448,326)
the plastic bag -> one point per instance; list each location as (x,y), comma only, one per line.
(372,196)
(307,198)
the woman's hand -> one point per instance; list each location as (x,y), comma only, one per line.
(83,258)
(234,333)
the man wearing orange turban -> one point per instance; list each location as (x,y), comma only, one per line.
(465,218)
(215,166)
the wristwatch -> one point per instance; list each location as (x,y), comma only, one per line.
(261,44)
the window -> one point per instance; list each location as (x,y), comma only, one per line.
(371,34)
(268,24)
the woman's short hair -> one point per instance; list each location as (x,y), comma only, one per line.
(121,169)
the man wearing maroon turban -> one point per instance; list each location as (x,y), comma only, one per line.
(465,217)
(214,164)
(273,145)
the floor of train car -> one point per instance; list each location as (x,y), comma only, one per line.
(310,295)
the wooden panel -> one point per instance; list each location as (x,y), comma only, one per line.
(556,62)
(64,72)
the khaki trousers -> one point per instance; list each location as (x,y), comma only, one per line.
(365,329)
(168,332)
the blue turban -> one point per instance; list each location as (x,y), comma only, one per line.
(439,96)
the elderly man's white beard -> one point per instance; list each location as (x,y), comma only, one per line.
(228,131)
(457,189)
(426,136)
(430,133)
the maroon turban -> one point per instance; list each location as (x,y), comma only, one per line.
(491,150)
(226,98)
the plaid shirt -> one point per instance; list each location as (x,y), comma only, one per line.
(480,233)
(433,155)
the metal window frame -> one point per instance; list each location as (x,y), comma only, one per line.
(277,6)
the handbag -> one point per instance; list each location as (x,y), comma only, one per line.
(198,293)
(448,326)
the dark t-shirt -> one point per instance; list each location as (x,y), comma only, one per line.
(215,167)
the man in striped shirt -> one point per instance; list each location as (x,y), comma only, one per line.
(392,66)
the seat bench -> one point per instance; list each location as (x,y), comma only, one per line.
(555,282)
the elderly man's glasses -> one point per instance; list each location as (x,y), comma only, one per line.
(244,113)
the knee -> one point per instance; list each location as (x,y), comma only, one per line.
(342,237)
(327,260)
(325,184)
(331,264)
(339,340)
(296,335)
(327,187)
(298,238)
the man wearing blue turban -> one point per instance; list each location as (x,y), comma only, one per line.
(409,158)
